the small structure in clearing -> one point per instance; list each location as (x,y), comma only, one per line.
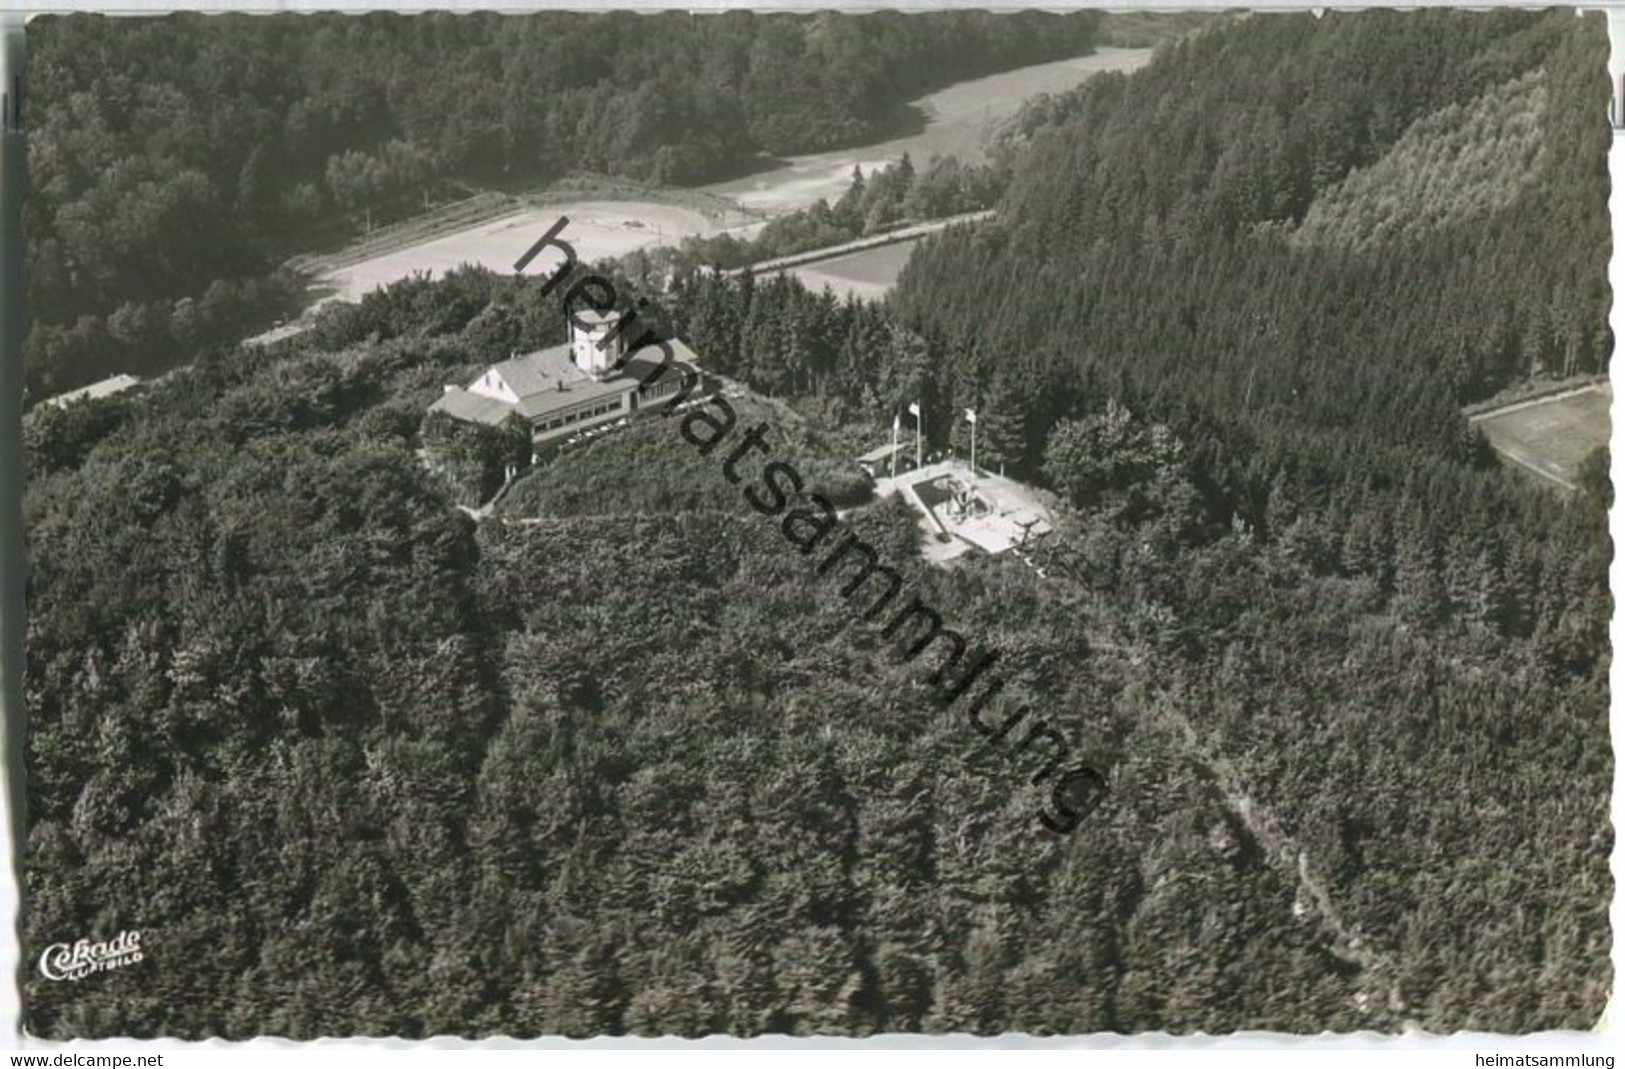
(967,511)
(882,460)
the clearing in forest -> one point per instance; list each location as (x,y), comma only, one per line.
(598,230)
(869,274)
(1551,435)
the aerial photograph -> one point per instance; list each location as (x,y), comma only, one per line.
(816,524)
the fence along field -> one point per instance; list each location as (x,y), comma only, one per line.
(1550,436)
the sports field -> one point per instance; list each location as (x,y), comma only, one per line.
(1550,436)
(869,274)
(597,229)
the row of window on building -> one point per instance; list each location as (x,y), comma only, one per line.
(582,414)
(657,390)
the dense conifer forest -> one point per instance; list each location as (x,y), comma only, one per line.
(614,759)
(177,161)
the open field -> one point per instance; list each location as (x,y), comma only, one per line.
(869,274)
(1551,435)
(597,229)
(866,268)
(449,218)
(958,121)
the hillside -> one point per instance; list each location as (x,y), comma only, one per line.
(617,758)
(613,762)
(1303,244)
(1458,165)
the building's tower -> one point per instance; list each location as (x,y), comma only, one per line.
(591,345)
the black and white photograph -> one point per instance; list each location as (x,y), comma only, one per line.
(809,524)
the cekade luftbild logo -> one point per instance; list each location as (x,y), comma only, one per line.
(63,962)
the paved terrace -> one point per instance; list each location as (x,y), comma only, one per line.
(1013,509)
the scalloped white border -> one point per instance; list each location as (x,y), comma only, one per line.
(1606,1038)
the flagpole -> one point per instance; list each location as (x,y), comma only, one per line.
(919,433)
(896,426)
(973,447)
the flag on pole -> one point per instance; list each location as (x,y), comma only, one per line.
(919,433)
(970,415)
(896,423)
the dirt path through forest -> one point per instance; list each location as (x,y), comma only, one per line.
(1291,860)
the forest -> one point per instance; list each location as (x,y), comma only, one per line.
(612,760)
(176,162)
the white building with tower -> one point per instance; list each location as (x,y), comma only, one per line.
(588,381)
